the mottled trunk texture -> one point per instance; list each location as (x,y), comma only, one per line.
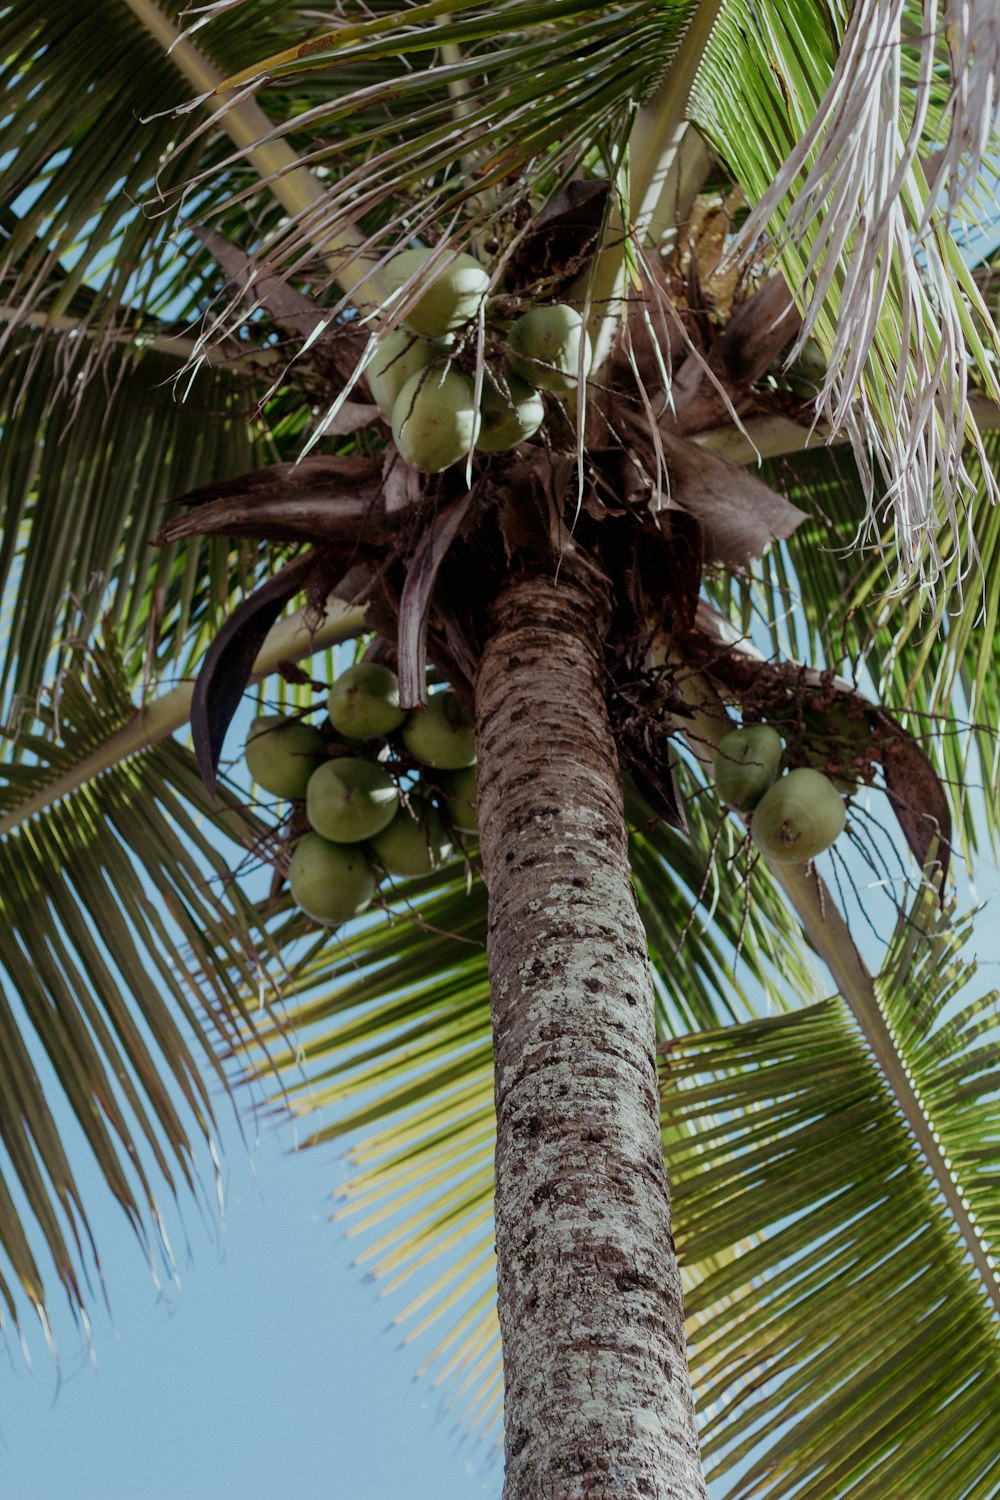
(597,1398)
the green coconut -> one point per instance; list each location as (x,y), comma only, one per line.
(746,763)
(442,735)
(546,346)
(282,754)
(400,356)
(798,817)
(330,882)
(363,702)
(450,299)
(415,842)
(459,796)
(507,422)
(434,420)
(350,800)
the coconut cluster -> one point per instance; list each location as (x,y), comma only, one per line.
(416,381)
(794,816)
(362,825)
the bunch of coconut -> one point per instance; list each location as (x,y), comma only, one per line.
(793,817)
(362,825)
(415,379)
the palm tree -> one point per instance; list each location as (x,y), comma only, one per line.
(594,593)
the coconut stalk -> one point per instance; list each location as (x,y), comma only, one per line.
(597,1394)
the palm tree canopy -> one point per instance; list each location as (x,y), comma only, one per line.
(188,299)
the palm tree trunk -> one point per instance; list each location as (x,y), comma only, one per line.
(597,1396)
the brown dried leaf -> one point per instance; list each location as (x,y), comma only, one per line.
(563,236)
(415,602)
(758,332)
(319,476)
(321,499)
(739,515)
(916,795)
(229,662)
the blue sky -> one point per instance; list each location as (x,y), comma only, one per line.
(270,1371)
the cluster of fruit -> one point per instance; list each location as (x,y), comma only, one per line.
(362,824)
(418,385)
(794,817)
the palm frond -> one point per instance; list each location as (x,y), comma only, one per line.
(849,1346)
(824,121)
(543,90)
(125,953)
(85,466)
(93,179)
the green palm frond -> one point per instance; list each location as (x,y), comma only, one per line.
(849,1346)
(389,1035)
(85,466)
(535,94)
(536,81)
(93,176)
(835,1315)
(126,948)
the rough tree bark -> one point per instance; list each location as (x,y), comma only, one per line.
(597,1397)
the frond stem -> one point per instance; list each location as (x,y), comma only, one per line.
(296,188)
(824,926)
(773,437)
(290,640)
(661,175)
(181,348)
(829,934)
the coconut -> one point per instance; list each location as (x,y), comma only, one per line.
(798,817)
(399,356)
(746,763)
(457,286)
(282,754)
(350,800)
(363,702)
(434,420)
(509,418)
(442,735)
(415,842)
(331,882)
(546,347)
(459,790)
